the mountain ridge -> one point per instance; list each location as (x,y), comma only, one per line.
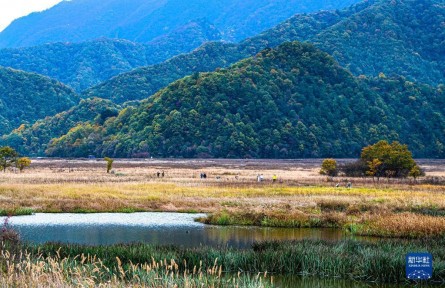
(138,20)
(82,65)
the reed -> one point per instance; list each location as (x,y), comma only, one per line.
(36,270)
(381,261)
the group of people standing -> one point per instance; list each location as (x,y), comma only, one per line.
(260,178)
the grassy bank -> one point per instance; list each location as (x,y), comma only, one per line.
(17,211)
(388,225)
(151,266)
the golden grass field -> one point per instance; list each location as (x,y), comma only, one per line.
(300,198)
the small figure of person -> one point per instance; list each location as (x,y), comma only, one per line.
(274,178)
(162,174)
(158,173)
(258,178)
(349,185)
(261,178)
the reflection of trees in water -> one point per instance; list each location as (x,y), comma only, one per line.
(216,236)
(295,281)
(245,236)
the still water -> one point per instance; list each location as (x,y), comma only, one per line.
(179,229)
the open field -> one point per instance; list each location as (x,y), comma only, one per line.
(232,195)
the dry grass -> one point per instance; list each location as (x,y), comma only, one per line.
(301,197)
(405,225)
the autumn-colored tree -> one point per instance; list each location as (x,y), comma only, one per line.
(390,160)
(329,167)
(374,167)
(22,163)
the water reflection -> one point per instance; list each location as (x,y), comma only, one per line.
(155,228)
(310,282)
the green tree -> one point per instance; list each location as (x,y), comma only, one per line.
(390,160)
(329,167)
(109,164)
(8,157)
(416,172)
(22,163)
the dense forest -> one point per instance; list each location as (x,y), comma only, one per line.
(82,65)
(293,101)
(419,58)
(32,139)
(139,20)
(398,37)
(27,97)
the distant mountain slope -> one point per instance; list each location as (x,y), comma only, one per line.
(416,55)
(32,140)
(293,101)
(144,20)
(144,82)
(27,97)
(398,37)
(82,65)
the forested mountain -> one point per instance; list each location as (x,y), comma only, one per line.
(32,139)
(27,97)
(144,82)
(329,30)
(398,37)
(293,101)
(82,65)
(144,20)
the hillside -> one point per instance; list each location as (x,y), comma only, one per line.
(400,37)
(328,29)
(27,97)
(24,139)
(82,65)
(290,102)
(143,82)
(138,20)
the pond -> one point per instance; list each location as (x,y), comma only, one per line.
(179,229)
